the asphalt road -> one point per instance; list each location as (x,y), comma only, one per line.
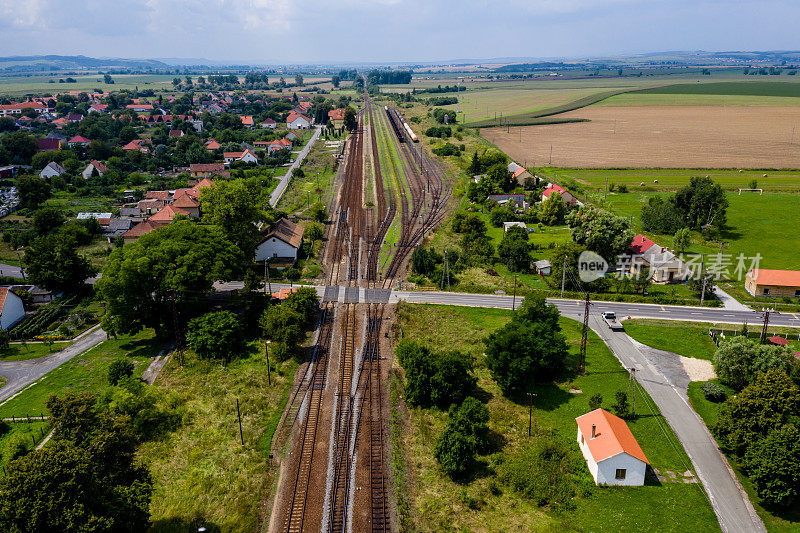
(10,270)
(20,374)
(275,197)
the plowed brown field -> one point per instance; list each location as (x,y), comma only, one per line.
(670,137)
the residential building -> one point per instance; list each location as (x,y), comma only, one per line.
(205,170)
(11,308)
(662,263)
(167,213)
(773,283)
(9,110)
(137,144)
(49,145)
(247,121)
(519,173)
(610,449)
(176,133)
(294,136)
(117,227)
(508,225)
(186,203)
(140,108)
(98,108)
(52,169)
(336,116)
(212,145)
(92,168)
(281,244)
(142,228)
(78,140)
(269,123)
(97,216)
(247,156)
(296,121)
(568,197)
(516,201)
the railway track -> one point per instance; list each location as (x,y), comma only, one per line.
(379,509)
(297,509)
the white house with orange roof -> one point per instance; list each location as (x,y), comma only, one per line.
(247,156)
(610,449)
(296,121)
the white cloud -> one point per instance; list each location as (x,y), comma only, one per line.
(22,14)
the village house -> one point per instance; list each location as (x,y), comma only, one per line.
(336,116)
(246,156)
(269,123)
(566,196)
(773,283)
(519,173)
(8,110)
(281,244)
(296,121)
(49,144)
(610,449)
(247,121)
(212,145)
(278,144)
(117,227)
(662,263)
(91,168)
(167,214)
(514,201)
(11,308)
(78,140)
(294,136)
(98,108)
(188,204)
(142,228)
(137,144)
(52,169)
(205,170)
(140,108)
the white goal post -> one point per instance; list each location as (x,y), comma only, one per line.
(760,191)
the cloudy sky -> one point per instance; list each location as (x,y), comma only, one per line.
(295,31)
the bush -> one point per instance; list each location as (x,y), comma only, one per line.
(713,392)
(441,132)
(595,402)
(543,472)
(435,378)
(16,446)
(466,433)
(119,369)
(447,149)
(621,408)
(216,335)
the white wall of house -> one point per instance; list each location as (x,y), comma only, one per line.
(298,123)
(249,158)
(48,172)
(12,312)
(274,247)
(605,472)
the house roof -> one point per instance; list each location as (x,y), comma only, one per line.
(287,231)
(98,165)
(780,278)
(294,115)
(3,295)
(247,120)
(185,201)
(79,139)
(269,121)
(553,188)
(519,172)
(640,244)
(206,167)
(506,197)
(157,195)
(142,228)
(52,165)
(612,436)
(336,114)
(167,213)
(213,145)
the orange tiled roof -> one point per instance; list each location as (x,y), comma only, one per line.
(167,213)
(612,436)
(779,278)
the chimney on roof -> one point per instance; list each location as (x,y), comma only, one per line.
(593,429)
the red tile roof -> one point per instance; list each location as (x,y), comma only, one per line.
(779,278)
(640,244)
(142,228)
(612,436)
(294,115)
(79,139)
(185,201)
(336,114)
(100,167)
(3,295)
(167,213)
(551,189)
(206,167)
(157,195)
(247,120)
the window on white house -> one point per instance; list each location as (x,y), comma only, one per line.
(766,291)
(620,473)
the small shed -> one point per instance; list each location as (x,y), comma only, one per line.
(543,267)
(610,449)
(508,225)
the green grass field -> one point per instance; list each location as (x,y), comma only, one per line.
(479,505)
(24,85)
(84,373)
(785,522)
(748,88)
(688,339)
(201,470)
(31,350)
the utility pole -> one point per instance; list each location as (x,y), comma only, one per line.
(530,411)
(514,299)
(551,155)
(21,269)
(632,387)
(563,275)
(764,328)
(584,337)
(605,191)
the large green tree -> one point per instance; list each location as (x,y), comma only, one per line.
(514,250)
(172,268)
(528,349)
(552,210)
(236,206)
(738,360)
(702,202)
(53,262)
(32,191)
(774,466)
(660,215)
(772,401)
(601,232)
(21,146)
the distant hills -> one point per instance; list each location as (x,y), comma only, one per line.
(40,63)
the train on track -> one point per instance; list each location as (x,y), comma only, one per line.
(399,124)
